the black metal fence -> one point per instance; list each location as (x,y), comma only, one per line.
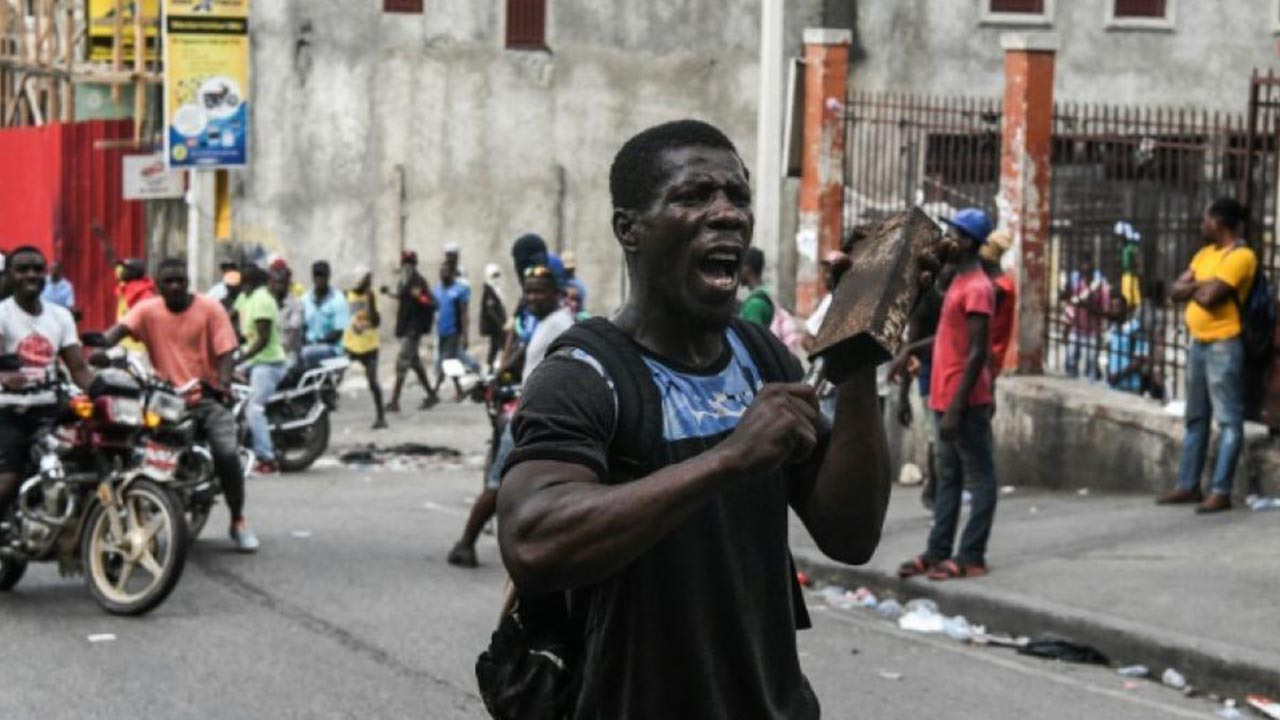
(1128,190)
(942,153)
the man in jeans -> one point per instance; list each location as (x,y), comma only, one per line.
(960,394)
(1214,288)
(264,357)
(454,297)
(189,337)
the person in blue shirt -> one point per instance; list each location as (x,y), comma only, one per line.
(58,289)
(1128,352)
(572,281)
(325,317)
(452,324)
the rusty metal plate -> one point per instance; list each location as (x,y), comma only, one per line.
(872,304)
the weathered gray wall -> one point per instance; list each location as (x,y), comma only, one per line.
(943,47)
(493,143)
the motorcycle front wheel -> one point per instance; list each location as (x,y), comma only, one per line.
(133,572)
(11,570)
(298,449)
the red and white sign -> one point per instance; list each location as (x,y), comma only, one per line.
(147,178)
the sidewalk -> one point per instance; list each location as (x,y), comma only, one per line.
(1145,584)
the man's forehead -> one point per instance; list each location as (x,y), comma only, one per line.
(681,162)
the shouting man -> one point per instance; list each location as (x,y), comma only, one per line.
(657,453)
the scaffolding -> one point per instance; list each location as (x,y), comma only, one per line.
(45,51)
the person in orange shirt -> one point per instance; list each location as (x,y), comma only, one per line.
(1214,289)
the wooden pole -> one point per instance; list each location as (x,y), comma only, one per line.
(139,67)
(117,49)
(69,47)
(5,75)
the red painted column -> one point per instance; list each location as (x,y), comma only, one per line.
(826,80)
(1024,184)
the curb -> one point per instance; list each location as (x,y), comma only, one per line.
(1209,665)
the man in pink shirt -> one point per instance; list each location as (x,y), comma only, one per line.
(189,337)
(960,395)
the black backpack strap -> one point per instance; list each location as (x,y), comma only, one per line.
(637,436)
(775,362)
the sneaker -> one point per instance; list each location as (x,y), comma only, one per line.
(463,556)
(1180,497)
(1215,503)
(245,540)
(380,424)
(266,467)
(429,402)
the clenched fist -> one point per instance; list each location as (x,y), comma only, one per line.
(779,428)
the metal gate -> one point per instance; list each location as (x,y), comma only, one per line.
(1128,190)
(903,150)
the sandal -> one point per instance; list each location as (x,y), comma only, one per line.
(918,565)
(952,570)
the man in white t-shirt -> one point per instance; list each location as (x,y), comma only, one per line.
(542,298)
(34,336)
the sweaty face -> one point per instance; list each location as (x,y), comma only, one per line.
(540,295)
(691,240)
(26,273)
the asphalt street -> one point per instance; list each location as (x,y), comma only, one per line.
(350,610)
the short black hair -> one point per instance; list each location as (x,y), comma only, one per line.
(25,249)
(1229,212)
(754,261)
(171,263)
(637,168)
(320,267)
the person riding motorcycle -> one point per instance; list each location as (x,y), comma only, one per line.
(189,337)
(37,334)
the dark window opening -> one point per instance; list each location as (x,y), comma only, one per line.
(1140,8)
(526,24)
(1018,6)
(402,6)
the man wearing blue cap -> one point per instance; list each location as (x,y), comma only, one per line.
(960,395)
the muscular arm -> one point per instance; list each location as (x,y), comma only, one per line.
(559,527)
(842,494)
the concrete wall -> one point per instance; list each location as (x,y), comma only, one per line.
(491,143)
(1066,434)
(944,47)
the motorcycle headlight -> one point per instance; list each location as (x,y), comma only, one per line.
(124,411)
(168,407)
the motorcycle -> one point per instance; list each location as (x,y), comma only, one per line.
(86,506)
(501,396)
(298,412)
(175,454)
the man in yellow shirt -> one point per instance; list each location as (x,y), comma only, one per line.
(1215,288)
(360,339)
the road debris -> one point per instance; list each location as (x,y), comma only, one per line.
(102,638)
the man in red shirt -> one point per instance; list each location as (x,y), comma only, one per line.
(189,337)
(960,395)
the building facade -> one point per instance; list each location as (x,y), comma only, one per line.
(475,121)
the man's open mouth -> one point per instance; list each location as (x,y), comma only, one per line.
(720,268)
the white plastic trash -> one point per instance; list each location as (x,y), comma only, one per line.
(1173,679)
(910,474)
(889,609)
